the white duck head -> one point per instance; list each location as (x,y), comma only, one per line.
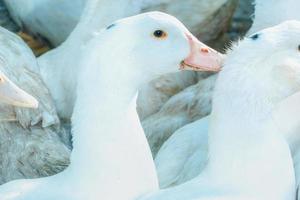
(274,63)
(159,41)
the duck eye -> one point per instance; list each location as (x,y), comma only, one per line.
(160,34)
(299,47)
(255,36)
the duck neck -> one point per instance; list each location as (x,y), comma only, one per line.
(244,143)
(110,148)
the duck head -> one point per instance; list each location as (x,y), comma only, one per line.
(163,43)
(271,55)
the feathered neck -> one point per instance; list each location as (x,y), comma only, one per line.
(110,148)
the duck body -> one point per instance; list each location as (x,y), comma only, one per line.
(184,155)
(155,94)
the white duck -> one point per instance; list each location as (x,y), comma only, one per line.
(190,158)
(61,64)
(269,13)
(55,19)
(118,145)
(248,156)
(31,142)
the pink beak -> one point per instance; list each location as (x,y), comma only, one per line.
(201,57)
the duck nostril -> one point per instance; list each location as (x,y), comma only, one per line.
(204,50)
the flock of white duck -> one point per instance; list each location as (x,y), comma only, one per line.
(104,77)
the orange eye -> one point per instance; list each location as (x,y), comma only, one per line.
(160,34)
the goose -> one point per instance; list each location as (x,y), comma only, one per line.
(177,171)
(268,8)
(111,133)
(60,64)
(249,158)
(55,19)
(32,142)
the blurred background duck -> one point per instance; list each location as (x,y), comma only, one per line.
(192,103)
(54,20)
(32,142)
